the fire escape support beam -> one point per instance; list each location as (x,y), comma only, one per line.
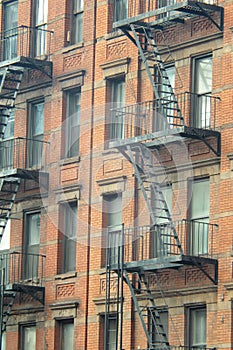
(206,14)
(200,267)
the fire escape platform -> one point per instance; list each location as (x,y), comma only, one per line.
(160,138)
(23,174)
(165,262)
(36,291)
(171,14)
(26,62)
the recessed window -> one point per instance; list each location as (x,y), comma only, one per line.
(197,327)
(31,245)
(28,337)
(72,124)
(154,329)
(117,104)
(108,335)
(77,21)
(120,10)
(199,216)
(10,30)
(41,16)
(202,88)
(35,134)
(113,218)
(67,334)
(68,212)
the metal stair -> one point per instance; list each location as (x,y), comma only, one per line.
(8,189)
(146,173)
(8,301)
(167,104)
(10,79)
(148,312)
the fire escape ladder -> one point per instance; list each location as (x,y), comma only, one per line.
(145,171)
(166,102)
(8,191)
(10,79)
(8,301)
(148,312)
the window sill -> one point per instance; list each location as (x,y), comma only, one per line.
(113,35)
(73,47)
(66,161)
(66,275)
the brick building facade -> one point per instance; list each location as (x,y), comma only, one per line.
(116,125)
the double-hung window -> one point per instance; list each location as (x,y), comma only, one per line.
(35,134)
(41,17)
(7,145)
(77,22)
(202,88)
(31,245)
(28,337)
(113,205)
(10,30)
(197,327)
(121,10)
(69,228)
(72,124)
(199,216)
(67,334)
(111,332)
(117,109)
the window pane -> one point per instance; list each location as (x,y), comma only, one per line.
(204,75)
(121,9)
(78,5)
(117,101)
(10,29)
(41,11)
(33,229)
(70,232)
(29,338)
(200,201)
(111,333)
(32,245)
(67,335)
(36,135)
(72,125)
(198,327)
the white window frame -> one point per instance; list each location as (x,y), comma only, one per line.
(10,33)
(41,18)
(118,96)
(197,327)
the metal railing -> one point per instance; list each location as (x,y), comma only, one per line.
(145,117)
(131,8)
(148,242)
(23,268)
(23,153)
(25,41)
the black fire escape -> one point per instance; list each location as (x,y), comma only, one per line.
(141,130)
(22,49)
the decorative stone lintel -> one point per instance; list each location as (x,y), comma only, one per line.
(112,185)
(116,67)
(69,80)
(64,309)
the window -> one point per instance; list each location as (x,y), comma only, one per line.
(154,328)
(197,327)
(77,22)
(72,124)
(69,216)
(159,246)
(199,216)
(10,31)
(28,337)
(35,134)
(7,146)
(31,245)
(117,103)
(121,10)
(67,334)
(113,209)
(41,15)
(110,332)
(202,88)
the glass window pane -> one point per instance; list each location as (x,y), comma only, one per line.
(72,125)
(78,5)
(198,327)
(29,338)
(121,9)
(70,231)
(203,75)
(10,29)
(67,335)
(38,120)
(41,11)
(33,229)
(200,201)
